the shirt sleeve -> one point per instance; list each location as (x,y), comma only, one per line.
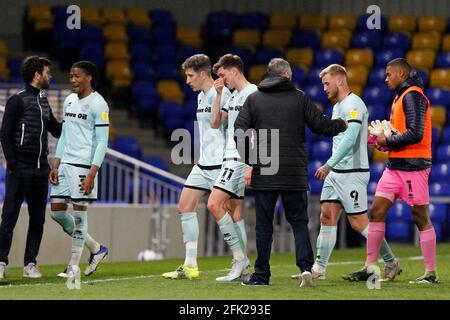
(101,116)
(226,94)
(225,102)
(353,112)
(101,113)
(347,143)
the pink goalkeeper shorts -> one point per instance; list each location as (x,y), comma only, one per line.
(409,186)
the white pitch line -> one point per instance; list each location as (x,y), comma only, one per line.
(209,271)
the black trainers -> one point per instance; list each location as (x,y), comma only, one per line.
(360,275)
(254,281)
(429,277)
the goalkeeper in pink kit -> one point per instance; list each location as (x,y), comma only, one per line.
(408,169)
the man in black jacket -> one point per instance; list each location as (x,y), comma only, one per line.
(282,110)
(26,121)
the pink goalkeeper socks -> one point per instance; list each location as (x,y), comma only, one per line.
(374,238)
(428,246)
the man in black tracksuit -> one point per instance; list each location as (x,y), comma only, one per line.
(279,105)
(24,139)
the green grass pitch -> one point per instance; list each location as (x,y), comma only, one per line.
(142,280)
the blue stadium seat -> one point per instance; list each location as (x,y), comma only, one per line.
(164,36)
(91,34)
(440,172)
(445,136)
(313,165)
(382,57)
(139,35)
(140,52)
(172,124)
(61,33)
(323,58)
(443,59)
(190,125)
(399,211)
(377,95)
(443,153)
(253,20)
(246,55)
(146,98)
(440,189)
(310,136)
(60,14)
(222,19)
(438,230)
(438,96)
(264,55)
(220,26)
(434,139)
(376,170)
(170,109)
(316,186)
(143,71)
(93,51)
(366,39)
(162,17)
(189,94)
(305,39)
(128,145)
(16,79)
(371,188)
(397,40)
(313,76)
(328,110)
(185,52)
(399,231)
(66,39)
(190,110)
(321,150)
(362,23)
(316,93)
(377,111)
(165,54)
(168,71)
(377,76)
(146,107)
(438,212)
(91,48)
(15,65)
(144,88)
(298,76)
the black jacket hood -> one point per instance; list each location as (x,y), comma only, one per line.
(275,83)
(413,80)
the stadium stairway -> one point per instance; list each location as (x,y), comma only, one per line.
(150,143)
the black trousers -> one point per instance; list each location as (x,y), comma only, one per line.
(295,204)
(24,182)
